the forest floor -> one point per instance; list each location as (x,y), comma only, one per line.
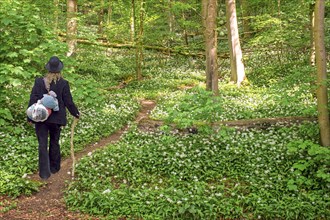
(48,203)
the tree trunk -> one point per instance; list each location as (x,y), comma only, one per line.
(320,57)
(56,12)
(312,22)
(279,44)
(132,21)
(312,48)
(209,11)
(233,68)
(171,20)
(170,17)
(236,56)
(185,35)
(71,26)
(101,17)
(139,41)
(184,32)
(246,19)
(109,13)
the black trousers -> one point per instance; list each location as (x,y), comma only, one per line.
(49,158)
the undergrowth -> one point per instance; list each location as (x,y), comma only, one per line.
(274,173)
(248,174)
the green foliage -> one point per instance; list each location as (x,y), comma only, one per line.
(102,114)
(19,146)
(188,16)
(96,62)
(163,75)
(86,90)
(163,175)
(6,205)
(274,173)
(100,120)
(192,107)
(17,150)
(233,173)
(195,106)
(312,165)
(26,45)
(281,41)
(14,186)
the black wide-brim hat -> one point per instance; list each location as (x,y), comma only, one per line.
(54,65)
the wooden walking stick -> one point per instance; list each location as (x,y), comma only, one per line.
(74,123)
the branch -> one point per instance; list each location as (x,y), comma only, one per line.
(105,43)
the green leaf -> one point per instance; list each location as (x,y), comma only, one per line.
(12,54)
(15,82)
(321,174)
(182,210)
(316,149)
(6,114)
(27,60)
(18,70)
(291,185)
(192,210)
(6,21)
(2,122)
(301,166)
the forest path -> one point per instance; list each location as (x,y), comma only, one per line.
(48,203)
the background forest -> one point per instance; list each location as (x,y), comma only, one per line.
(192,166)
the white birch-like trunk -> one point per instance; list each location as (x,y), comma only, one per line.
(236,55)
(71,26)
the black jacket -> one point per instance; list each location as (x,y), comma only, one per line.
(64,97)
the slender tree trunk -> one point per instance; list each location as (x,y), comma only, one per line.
(320,55)
(101,17)
(185,34)
(132,21)
(71,26)
(236,56)
(312,48)
(208,81)
(139,48)
(56,4)
(233,67)
(204,15)
(312,22)
(279,44)
(170,17)
(246,19)
(109,13)
(209,12)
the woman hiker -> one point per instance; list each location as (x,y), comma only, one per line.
(50,156)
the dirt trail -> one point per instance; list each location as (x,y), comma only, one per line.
(48,203)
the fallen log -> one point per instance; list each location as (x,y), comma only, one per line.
(265,121)
(241,124)
(165,50)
